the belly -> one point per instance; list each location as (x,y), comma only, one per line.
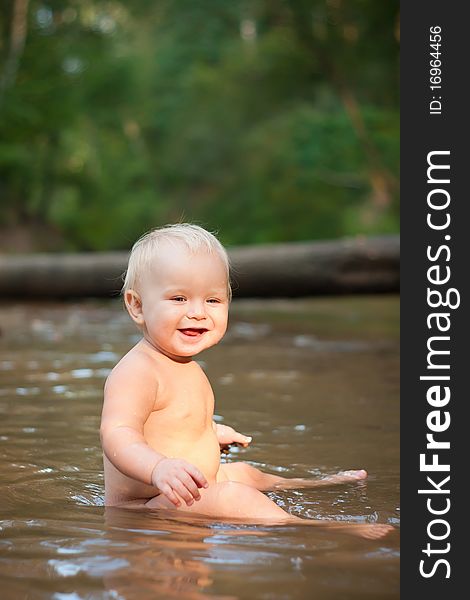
(203,451)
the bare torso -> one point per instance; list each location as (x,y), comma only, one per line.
(174,402)
(180,426)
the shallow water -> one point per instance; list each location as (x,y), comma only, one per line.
(315,382)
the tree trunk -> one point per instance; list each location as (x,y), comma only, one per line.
(18,32)
(361,265)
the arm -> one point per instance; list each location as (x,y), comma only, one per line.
(128,403)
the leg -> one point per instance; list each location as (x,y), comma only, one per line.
(244,473)
(237,501)
(229,500)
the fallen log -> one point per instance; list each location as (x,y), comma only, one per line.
(356,265)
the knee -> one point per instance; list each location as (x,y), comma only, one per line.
(230,488)
(245,502)
(241,468)
(233,492)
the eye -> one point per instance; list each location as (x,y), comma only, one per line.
(178,298)
(213,301)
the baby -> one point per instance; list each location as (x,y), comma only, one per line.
(161,445)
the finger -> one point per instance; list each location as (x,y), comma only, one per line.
(198,477)
(183,492)
(169,493)
(244,440)
(190,485)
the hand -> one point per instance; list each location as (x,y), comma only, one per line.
(227,435)
(176,478)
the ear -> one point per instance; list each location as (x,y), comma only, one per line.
(133,304)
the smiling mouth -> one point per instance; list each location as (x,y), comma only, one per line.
(192,332)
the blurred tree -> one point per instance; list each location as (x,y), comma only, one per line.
(266,119)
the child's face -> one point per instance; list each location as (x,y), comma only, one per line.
(182,304)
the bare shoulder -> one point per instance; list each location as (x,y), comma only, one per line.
(135,376)
(135,362)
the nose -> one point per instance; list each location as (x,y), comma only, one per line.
(196,311)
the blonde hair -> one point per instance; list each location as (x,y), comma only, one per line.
(194,237)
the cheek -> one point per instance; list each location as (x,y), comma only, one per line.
(165,314)
(223,321)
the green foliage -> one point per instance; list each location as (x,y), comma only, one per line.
(266,120)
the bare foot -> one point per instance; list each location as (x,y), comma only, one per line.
(369,531)
(372,531)
(344,477)
(338,478)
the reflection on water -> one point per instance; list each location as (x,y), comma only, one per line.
(315,382)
